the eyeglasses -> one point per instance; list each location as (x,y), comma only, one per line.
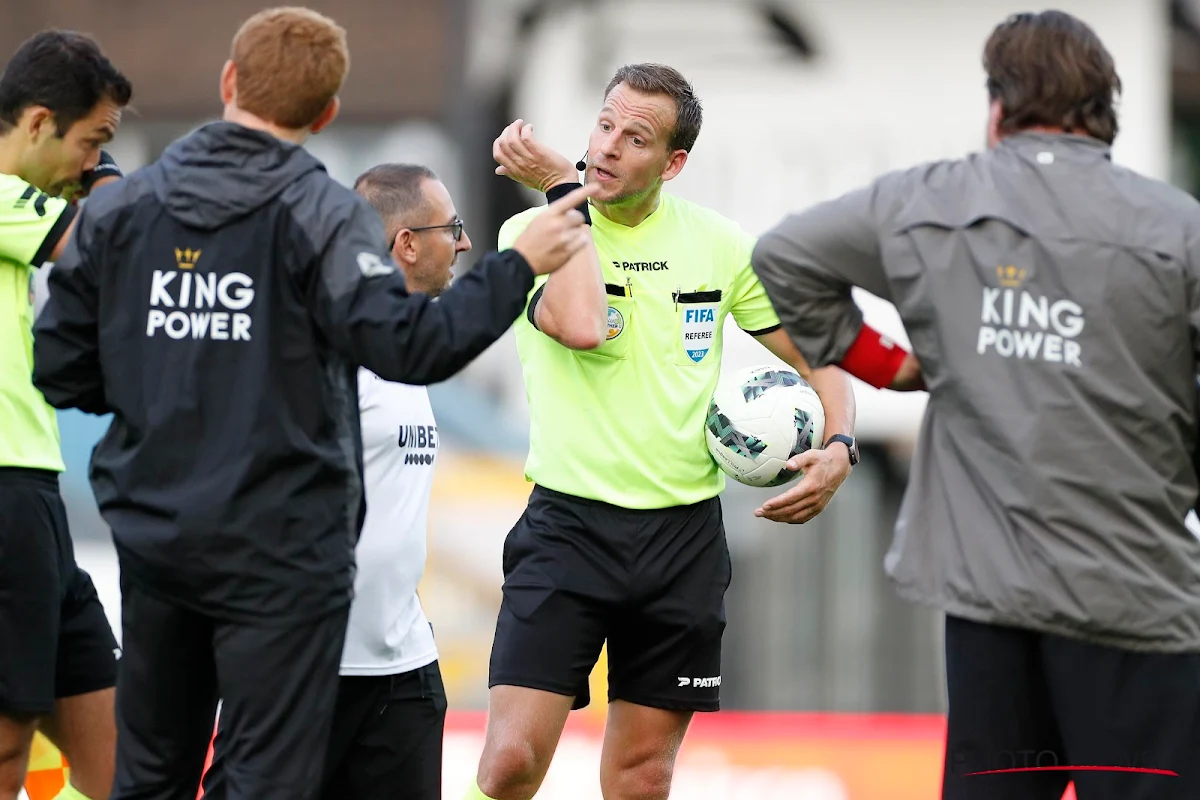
(456,230)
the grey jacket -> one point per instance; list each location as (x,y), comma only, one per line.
(1053,299)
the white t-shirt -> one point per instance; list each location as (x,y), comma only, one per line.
(388,632)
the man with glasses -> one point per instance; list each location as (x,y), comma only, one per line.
(426,234)
(386,741)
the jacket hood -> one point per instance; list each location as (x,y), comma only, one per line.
(224,171)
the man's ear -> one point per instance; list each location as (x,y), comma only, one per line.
(327,116)
(404,250)
(675,165)
(38,123)
(229,83)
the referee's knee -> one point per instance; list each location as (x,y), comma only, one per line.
(648,778)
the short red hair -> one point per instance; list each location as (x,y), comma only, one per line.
(291,62)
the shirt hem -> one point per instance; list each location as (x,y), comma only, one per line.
(396,668)
(274,614)
(991,616)
(20,463)
(624,502)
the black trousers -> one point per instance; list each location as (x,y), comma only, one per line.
(276,682)
(1022,700)
(387,737)
(386,741)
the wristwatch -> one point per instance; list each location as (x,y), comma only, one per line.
(851,445)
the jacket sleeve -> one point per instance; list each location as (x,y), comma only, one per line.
(808,265)
(66,345)
(363,308)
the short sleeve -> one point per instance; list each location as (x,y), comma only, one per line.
(751,308)
(31,222)
(514,227)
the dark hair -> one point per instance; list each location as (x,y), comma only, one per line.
(1051,69)
(64,71)
(394,190)
(660,79)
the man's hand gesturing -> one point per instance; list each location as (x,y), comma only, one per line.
(556,234)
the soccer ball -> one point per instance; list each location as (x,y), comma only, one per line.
(759,418)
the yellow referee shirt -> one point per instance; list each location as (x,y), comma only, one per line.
(624,423)
(31,223)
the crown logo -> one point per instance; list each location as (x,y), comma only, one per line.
(1010,276)
(186,258)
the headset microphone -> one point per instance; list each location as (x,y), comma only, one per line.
(581,164)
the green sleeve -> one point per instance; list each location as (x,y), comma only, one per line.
(751,307)
(31,222)
(514,227)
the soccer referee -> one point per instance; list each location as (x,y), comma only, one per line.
(623,539)
(60,102)
(1053,300)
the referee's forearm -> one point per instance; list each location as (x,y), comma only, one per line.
(831,384)
(836,391)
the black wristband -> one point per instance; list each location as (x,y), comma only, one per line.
(564,189)
(107,167)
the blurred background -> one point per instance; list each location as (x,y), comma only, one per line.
(803,99)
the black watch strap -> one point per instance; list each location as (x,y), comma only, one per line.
(851,445)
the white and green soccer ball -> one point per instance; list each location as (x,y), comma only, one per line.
(760,417)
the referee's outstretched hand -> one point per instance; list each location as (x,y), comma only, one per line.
(557,233)
(823,472)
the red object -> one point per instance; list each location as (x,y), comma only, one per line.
(208,759)
(873,358)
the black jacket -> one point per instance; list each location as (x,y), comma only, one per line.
(218,303)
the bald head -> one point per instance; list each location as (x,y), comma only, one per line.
(419,219)
(397,193)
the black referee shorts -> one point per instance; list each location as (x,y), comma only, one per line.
(1021,700)
(55,640)
(652,583)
